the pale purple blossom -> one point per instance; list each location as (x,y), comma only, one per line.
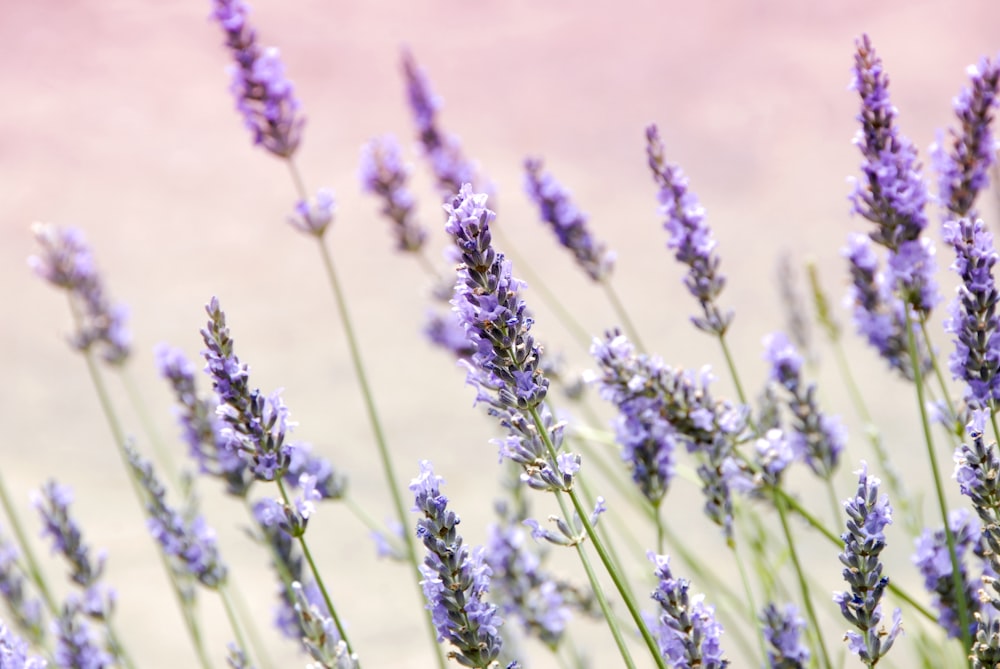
(688,633)
(314,216)
(384,174)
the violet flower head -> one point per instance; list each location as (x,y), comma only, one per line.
(75,646)
(488,300)
(66,261)
(384,174)
(963,166)
(313,217)
(443,151)
(783,630)
(817,438)
(25,610)
(688,633)
(188,543)
(320,635)
(933,559)
(569,223)
(455,579)
(15,653)
(973,319)
(264,95)
(977,471)
(447,332)
(690,237)
(868,514)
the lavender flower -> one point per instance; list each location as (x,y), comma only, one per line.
(867,516)
(986,646)
(384,174)
(963,172)
(690,237)
(53,502)
(320,635)
(783,631)
(568,222)
(816,437)
(669,407)
(933,560)
(447,332)
(14,652)
(444,152)
(25,610)
(264,96)
(188,543)
(455,580)
(689,635)
(67,262)
(973,319)
(75,647)
(314,217)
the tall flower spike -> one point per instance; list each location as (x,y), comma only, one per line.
(25,610)
(75,647)
(569,223)
(868,513)
(67,262)
(783,632)
(689,634)
(931,557)
(455,580)
(264,95)
(384,174)
(690,237)
(963,166)
(973,319)
(14,652)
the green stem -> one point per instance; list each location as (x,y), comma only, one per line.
(748,603)
(139,406)
(622,313)
(234,622)
(34,572)
(240,605)
(936,368)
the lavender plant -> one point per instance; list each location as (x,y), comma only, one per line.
(671,427)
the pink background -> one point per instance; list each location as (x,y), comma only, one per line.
(117,119)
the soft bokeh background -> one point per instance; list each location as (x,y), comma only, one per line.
(117,119)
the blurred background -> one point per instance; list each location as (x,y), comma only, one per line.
(117,119)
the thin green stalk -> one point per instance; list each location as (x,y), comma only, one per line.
(139,406)
(240,605)
(31,562)
(748,603)
(234,622)
(803,585)
(622,313)
(936,368)
(731,364)
(376,423)
(956,574)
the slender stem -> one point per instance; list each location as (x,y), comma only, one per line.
(234,622)
(376,423)
(956,574)
(139,406)
(936,368)
(622,313)
(731,364)
(748,602)
(236,595)
(34,572)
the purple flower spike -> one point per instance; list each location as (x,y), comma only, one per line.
(455,580)
(67,262)
(973,319)
(384,175)
(264,96)
(963,166)
(25,610)
(690,237)
(75,646)
(14,651)
(783,630)
(315,216)
(568,222)
(933,560)
(868,513)
(689,635)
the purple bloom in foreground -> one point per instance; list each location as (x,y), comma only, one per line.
(14,652)
(75,647)
(868,513)
(67,262)
(25,609)
(314,217)
(973,318)
(264,95)
(963,166)
(384,175)
(690,237)
(689,635)
(455,580)
(783,630)
(568,222)
(933,560)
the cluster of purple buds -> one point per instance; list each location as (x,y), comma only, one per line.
(868,513)
(188,542)
(567,221)
(773,453)
(647,392)
(973,319)
(264,95)
(313,217)
(14,651)
(320,635)
(447,332)
(384,174)
(25,610)
(687,631)
(97,601)
(67,262)
(816,437)
(986,646)
(690,237)
(74,642)
(977,471)
(783,630)
(963,167)
(455,579)
(443,151)
(933,559)
(567,533)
